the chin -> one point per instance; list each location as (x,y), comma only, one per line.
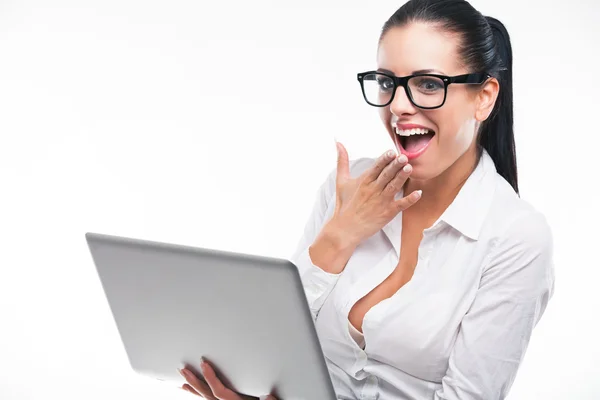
(422,173)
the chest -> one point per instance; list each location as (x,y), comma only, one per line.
(409,308)
(402,274)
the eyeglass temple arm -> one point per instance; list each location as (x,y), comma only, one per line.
(469,78)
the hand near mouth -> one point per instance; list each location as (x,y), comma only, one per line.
(364,205)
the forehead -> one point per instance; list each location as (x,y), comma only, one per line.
(418,46)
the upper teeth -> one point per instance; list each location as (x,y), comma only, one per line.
(409,132)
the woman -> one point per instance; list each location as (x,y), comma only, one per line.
(432,295)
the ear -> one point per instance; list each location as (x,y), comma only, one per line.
(486,98)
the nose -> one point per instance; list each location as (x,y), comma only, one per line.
(401,104)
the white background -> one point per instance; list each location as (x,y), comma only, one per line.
(212,124)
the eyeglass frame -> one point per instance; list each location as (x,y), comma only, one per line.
(472,78)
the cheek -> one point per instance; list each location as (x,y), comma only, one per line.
(384,114)
(465,132)
(458,128)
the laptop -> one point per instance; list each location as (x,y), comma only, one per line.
(246,314)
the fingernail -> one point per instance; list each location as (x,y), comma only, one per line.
(418,194)
(390,153)
(183,372)
(407,168)
(402,159)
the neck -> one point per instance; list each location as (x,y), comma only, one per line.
(440,192)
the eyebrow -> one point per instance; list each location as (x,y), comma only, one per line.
(420,71)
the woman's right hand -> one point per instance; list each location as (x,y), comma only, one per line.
(366,204)
(363,206)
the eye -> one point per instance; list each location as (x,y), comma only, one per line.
(427,84)
(385,83)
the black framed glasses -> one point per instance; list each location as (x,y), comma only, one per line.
(426,91)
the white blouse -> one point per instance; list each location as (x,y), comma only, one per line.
(460,327)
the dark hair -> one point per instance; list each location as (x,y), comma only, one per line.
(485,47)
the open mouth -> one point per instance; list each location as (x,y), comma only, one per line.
(414,141)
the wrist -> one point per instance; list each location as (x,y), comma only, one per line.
(339,237)
(333,248)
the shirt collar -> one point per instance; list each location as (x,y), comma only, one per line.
(469,209)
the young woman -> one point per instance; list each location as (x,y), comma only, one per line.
(424,269)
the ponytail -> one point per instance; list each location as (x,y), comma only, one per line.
(496,134)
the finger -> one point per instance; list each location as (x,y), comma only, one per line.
(196,383)
(372,173)
(407,201)
(398,182)
(188,388)
(343,164)
(391,171)
(219,390)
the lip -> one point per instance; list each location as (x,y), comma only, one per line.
(409,155)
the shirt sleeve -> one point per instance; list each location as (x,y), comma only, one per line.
(513,293)
(317,283)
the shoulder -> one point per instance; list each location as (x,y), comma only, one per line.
(513,218)
(520,242)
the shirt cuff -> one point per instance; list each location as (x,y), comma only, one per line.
(316,282)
